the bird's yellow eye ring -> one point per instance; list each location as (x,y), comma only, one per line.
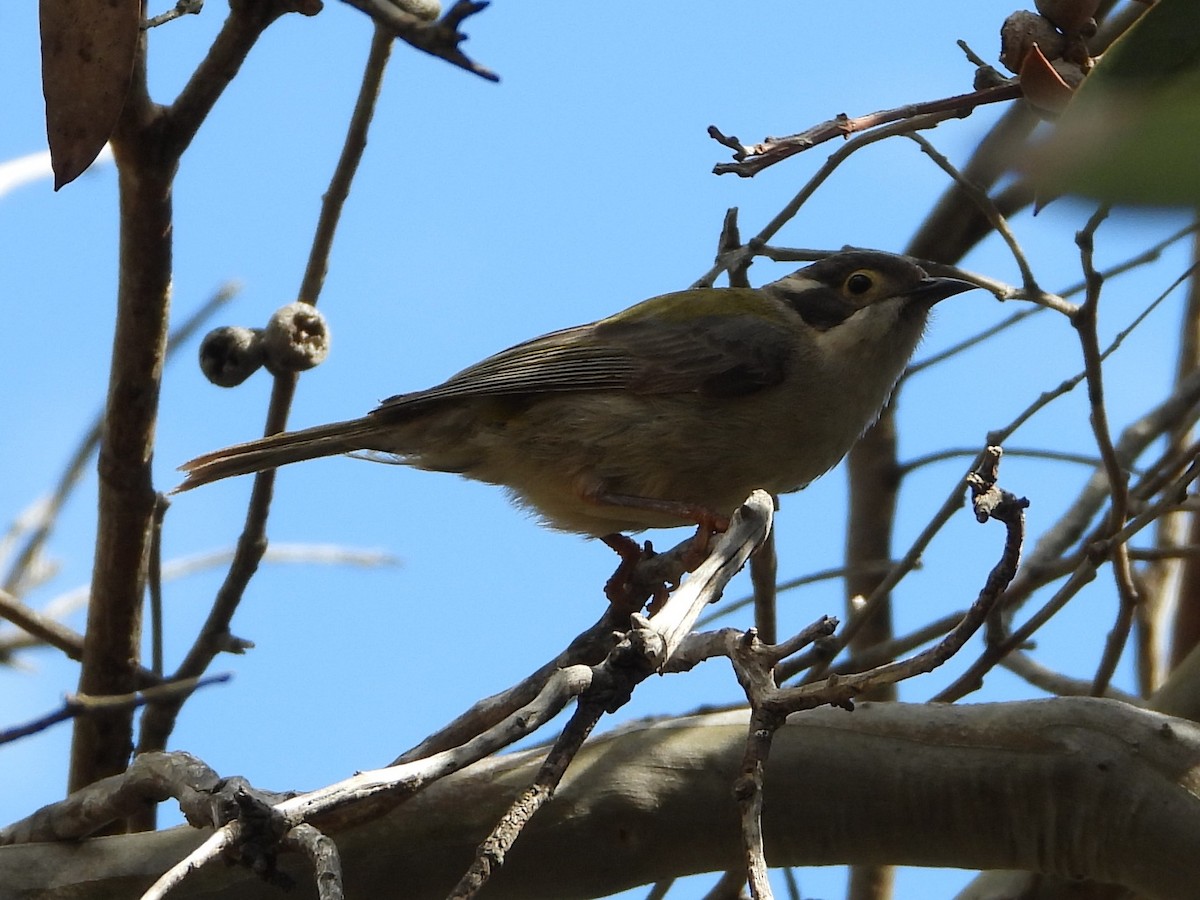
(859,282)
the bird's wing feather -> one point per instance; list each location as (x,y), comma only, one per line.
(720,348)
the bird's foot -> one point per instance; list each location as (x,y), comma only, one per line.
(708,524)
(628,588)
(644,575)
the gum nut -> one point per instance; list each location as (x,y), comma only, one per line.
(295,339)
(231,354)
(1021,31)
(1069,15)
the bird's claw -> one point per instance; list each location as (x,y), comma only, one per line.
(625,589)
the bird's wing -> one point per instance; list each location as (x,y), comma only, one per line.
(720,347)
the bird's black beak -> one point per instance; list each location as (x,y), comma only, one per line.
(930,290)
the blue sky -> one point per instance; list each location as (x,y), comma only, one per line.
(484,214)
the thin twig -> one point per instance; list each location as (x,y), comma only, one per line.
(337,803)
(239,33)
(739,257)
(971,452)
(755,664)
(1175,551)
(750,160)
(1175,581)
(985,205)
(154,582)
(1084,563)
(181,8)
(440,38)
(880,653)
(764,567)
(1142,258)
(1085,321)
(724,609)
(71,601)
(1006,508)
(1056,683)
(159,719)
(748,791)
(82,704)
(730,242)
(951,505)
(1001,435)
(44,628)
(972,341)
(588,649)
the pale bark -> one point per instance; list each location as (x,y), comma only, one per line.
(1079,787)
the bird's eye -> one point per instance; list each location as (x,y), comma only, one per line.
(859,283)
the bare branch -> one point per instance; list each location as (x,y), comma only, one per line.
(753,159)
(82,705)
(440,38)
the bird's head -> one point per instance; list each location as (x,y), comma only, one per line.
(863,285)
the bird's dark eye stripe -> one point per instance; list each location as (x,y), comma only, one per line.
(859,283)
(822,308)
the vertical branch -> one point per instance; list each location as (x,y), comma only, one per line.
(154,574)
(102,742)
(874,488)
(1175,528)
(764,569)
(1084,321)
(748,791)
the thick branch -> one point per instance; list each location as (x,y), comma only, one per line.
(655,802)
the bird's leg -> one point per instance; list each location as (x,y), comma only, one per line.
(708,522)
(686,512)
(621,589)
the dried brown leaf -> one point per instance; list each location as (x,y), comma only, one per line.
(87,61)
(1042,85)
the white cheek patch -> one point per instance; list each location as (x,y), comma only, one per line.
(796,284)
(862,329)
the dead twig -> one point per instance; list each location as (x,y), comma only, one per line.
(440,38)
(750,160)
(82,704)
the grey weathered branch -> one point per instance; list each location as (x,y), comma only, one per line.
(1060,764)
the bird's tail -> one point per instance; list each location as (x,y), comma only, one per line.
(277,450)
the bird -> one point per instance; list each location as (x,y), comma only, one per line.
(668,413)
